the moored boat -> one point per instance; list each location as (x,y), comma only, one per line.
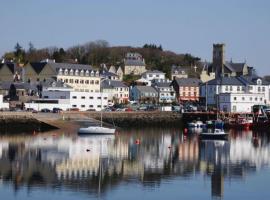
(218,134)
(96,130)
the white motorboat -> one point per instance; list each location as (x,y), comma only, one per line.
(97,130)
(218,134)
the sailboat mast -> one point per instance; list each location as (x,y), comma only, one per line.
(101,109)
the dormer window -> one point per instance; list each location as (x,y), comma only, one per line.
(60,72)
(82,73)
(92,73)
(97,73)
(71,72)
(259,82)
(66,72)
(77,72)
(87,73)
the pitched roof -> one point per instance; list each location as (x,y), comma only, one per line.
(38,66)
(131,62)
(11,66)
(18,85)
(194,82)
(153,72)
(107,73)
(162,83)
(112,84)
(226,81)
(146,89)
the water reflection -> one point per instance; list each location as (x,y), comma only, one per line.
(96,164)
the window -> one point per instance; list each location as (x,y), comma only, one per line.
(256,99)
(226,88)
(243,98)
(82,106)
(74,97)
(250,98)
(83,97)
(259,89)
(235,98)
(105,98)
(238,88)
(91,106)
(243,88)
(99,106)
(234,108)
(91,97)
(74,106)
(66,80)
(81,81)
(231,89)
(184,94)
(70,80)
(250,87)
(261,99)
(99,98)
(96,82)
(263,89)
(92,82)
(46,97)
(76,80)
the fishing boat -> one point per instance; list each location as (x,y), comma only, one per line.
(218,134)
(196,124)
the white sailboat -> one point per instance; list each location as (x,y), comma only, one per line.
(97,130)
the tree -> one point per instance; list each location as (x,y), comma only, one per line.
(31,47)
(19,53)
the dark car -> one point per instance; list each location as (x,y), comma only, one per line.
(45,110)
(57,110)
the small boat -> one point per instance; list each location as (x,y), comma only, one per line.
(196,124)
(218,134)
(97,130)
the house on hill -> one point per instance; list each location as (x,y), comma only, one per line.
(134,64)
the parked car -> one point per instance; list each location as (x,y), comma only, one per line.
(91,109)
(45,110)
(73,109)
(57,110)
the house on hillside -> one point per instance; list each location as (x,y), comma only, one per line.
(154,74)
(179,72)
(10,72)
(186,89)
(134,64)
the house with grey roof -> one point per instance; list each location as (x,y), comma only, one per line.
(117,90)
(10,71)
(134,64)
(108,75)
(186,89)
(80,77)
(144,94)
(179,71)
(153,74)
(166,93)
(235,85)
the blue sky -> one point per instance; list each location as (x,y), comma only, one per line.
(189,26)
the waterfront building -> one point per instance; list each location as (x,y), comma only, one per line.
(186,89)
(233,102)
(166,93)
(81,77)
(179,72)
(144,94)
(60,95)
(134,64)
(117,90)
(244,85)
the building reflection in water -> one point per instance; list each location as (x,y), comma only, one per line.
(95,164)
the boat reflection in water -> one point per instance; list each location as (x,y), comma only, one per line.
(97,164)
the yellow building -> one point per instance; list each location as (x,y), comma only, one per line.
(81,77)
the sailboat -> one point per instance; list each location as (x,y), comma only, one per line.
(97,130)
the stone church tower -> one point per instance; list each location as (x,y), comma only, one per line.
(219,59)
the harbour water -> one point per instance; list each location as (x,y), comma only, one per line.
(135,164)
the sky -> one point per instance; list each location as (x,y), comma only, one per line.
(190,26)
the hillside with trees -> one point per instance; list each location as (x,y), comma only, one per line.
(100,51)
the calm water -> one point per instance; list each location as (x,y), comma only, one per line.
(135,164)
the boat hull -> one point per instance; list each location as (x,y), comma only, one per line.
(96,131)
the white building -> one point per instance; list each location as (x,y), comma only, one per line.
(242,102)
(151,75)
(66,98)
(236,85)
(2,104)
(166,93)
